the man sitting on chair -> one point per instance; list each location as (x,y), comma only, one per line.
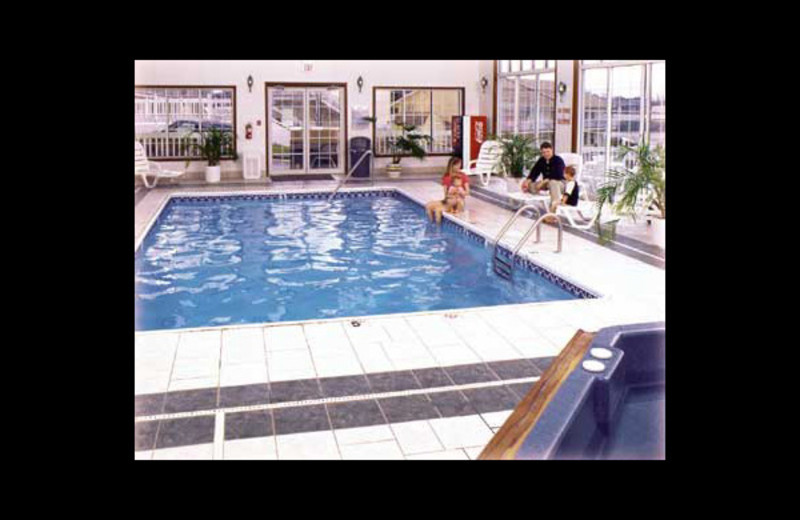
(551,168)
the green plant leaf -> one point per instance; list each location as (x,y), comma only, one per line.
(518,154)
(641,186)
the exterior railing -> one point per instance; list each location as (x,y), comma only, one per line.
(173,147)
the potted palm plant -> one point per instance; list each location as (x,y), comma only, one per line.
(517,157)
(640,190)
(211,146)
(407,143)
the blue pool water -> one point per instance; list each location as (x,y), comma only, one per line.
(226,261)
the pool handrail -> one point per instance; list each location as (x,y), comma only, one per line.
(513,218)
(537,226)
(341,182)
(509,438)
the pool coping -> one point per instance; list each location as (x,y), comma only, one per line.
(521,258)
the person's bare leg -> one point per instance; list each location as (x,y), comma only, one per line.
(432,207)
(556,189)
(439,215)
(534,187)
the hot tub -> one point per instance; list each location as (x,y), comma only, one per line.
(612,404)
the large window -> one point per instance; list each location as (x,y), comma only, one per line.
(429,109)
(526,99)
(622,102)
(169,119)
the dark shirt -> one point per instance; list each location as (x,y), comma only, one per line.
(572,197)
(552,170)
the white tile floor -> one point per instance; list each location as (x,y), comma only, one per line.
(460,432)
(386,450)
(441,455)
(364,434)
(416,437)
(311,445)
(632,291)
(259,448)
(194,452)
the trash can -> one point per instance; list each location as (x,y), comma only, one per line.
(358,147)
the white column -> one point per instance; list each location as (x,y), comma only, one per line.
(564,108)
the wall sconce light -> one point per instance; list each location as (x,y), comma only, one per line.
(484,84)
(562,88)
(250,83)
(360,83)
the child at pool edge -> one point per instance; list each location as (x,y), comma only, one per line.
(455,196)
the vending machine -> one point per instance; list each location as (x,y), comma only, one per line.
(469,132)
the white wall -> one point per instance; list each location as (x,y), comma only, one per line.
(250,106)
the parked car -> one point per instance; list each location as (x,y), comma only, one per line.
(186,126)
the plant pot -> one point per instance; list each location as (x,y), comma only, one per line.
(212,173)
(660,231)
(393,171)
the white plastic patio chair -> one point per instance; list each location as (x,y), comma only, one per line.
(144,167)
(488,162)
(583,208)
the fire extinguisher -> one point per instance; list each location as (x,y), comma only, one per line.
(248,131)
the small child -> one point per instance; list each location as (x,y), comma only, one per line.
(455,196)
(572,190)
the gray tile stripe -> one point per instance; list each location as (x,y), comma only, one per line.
(342,386)
(331,400)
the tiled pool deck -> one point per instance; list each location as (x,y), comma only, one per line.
(431,385)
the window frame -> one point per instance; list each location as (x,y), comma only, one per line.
(305,85)
(375,89)
(207,87)
(550,67)
(646,94)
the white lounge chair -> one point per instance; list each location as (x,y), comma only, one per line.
(583,208)
(488,162)
(144,167)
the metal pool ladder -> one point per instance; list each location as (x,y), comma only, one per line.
(341,182)
(504,268)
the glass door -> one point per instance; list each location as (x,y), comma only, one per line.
(306,133)
(325,129)
(286,149)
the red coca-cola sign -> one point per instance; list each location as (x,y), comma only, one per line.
(477,133)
